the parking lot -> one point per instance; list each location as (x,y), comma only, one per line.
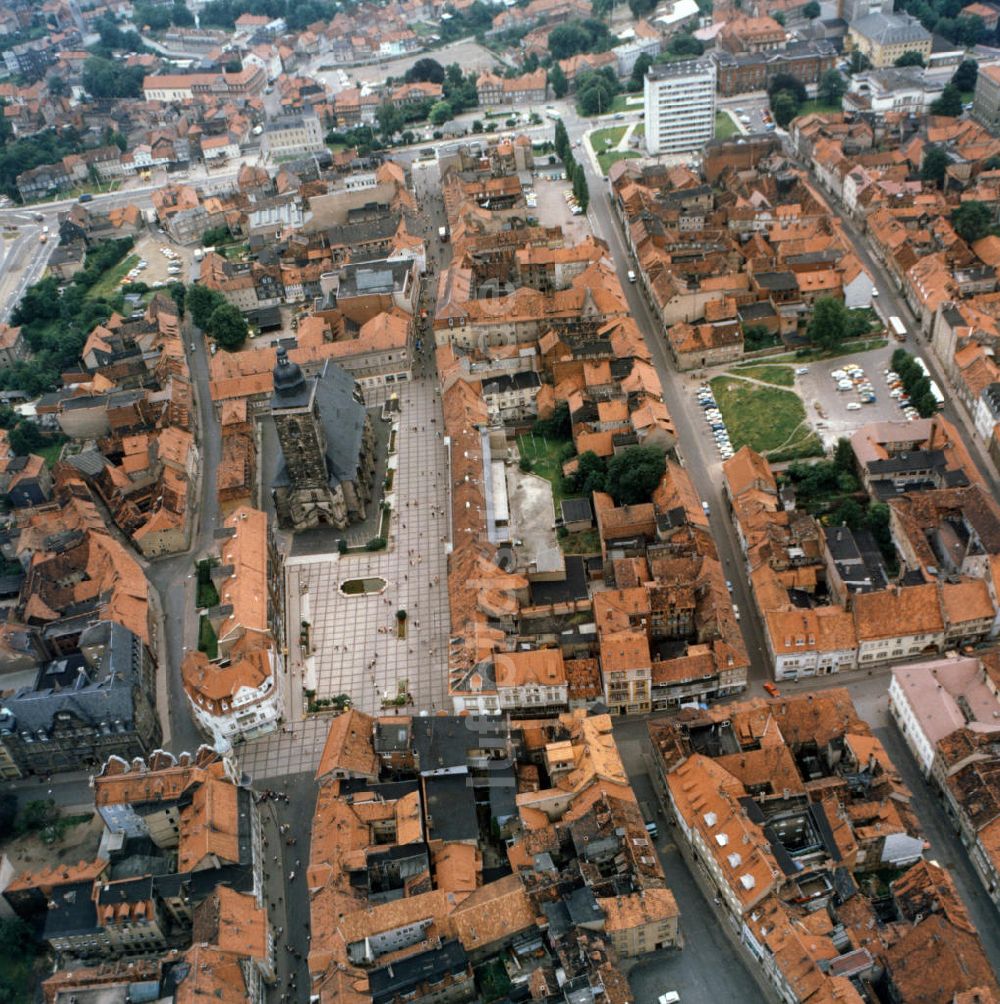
(157,263)
(553,209)
(827,407)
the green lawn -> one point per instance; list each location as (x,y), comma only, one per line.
(546,456)
(584,542)
(109,283)
(607,159)
(50,453)
(601,139)
(639,131)
(725,126)
(782,376)
(817,106)
(767,419)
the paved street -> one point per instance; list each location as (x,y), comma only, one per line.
(286,893)
(174,577)
(694,972)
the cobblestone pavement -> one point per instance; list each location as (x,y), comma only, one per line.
(354,638)
(296,746)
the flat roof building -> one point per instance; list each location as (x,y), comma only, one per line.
(679,106)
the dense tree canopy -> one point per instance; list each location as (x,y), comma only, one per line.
(590,35)
(831,87)
(784,107)
(425,69)
(910,58)
(832,323)
(634,474)
(950,102)
(966,75)
(934,164)
(558,81)
(105,78)
(227,326)
(972,220)
(56,324)
(596,90)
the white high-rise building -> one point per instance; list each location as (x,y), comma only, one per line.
(680,106)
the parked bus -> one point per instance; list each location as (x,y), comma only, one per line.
(898,328)
(923,366)
(936,394)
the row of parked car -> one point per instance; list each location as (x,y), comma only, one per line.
(898,393)
(707,403)
(850,377)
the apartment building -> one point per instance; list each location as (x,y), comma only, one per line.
(292,136)
(679,104)
(986,101)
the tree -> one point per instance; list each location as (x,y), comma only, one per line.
(580,189)
(634,474)
(441,112)
(390,120)
(910,58)
(25,438)
(477,126)
(831,88)
(227,326)
(899,357)
(36,815)
(972,220)
(181,16)
(558,81)
(966,75)
(859,62)
(786,82)
(595,92)
(639,70)
(684,44)
(562,140)
(780,18)
(104,78)
(425,69)
(812,10)
(557,425)
(178,292)
(641,7)
(215,235)
(828,326)
(568,39)
(934,164)
(590,476)
(950,102)
(784,108)
(843,455)
(201,301)
(57,86)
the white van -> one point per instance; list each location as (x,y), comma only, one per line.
(670,997)
(631,276)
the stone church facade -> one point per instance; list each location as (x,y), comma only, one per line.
(328,448)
